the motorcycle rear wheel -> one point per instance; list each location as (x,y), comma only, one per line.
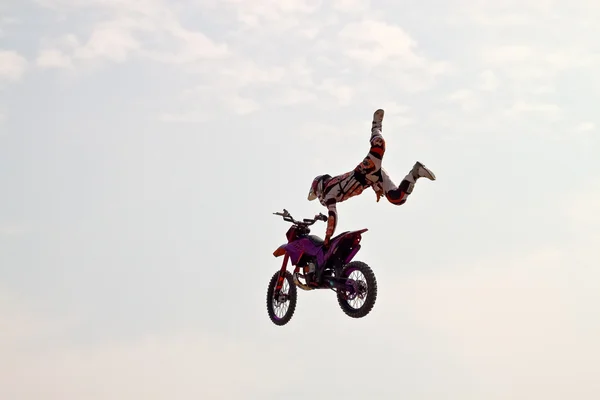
(367,290)
(288,296)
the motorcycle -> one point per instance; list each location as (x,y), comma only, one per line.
(317,267)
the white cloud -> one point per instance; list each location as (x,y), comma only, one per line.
(488,81)
(529,107)
(176,365)
(12,229)
(499,20)
(241,105)
(543,89)
(351,6)
(397,115)
(294,96)
(465,98)
(342,93)
(112,40)
(6,21)
(586,127)
(242,72)
(19,326)
(374,42)
(277,15)
(130,29)
(388,53)
(514,320)
(152,30)
(53,59)
(12,65)
(503,55)
(184,116)
(393,109)
(583,208)
(535,62)
(207,100)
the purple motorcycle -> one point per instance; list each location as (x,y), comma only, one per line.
(353,281)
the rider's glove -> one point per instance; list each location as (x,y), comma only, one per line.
(378,192)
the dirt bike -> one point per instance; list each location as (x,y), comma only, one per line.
(333,269)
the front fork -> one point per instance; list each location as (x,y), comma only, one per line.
(281,277)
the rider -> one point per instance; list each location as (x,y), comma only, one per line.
(369,173)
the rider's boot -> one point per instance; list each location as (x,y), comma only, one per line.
(311,275)
(377,119)
(418,171)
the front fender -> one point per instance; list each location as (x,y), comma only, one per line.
(280,250)
(294,251)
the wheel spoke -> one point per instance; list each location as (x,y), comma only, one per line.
(358,302)
(281,307)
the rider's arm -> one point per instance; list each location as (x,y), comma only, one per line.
(331,221)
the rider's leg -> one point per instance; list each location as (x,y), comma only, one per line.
(377,141)
(398,195)
(368,169)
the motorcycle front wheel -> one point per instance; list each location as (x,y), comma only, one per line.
(282,308)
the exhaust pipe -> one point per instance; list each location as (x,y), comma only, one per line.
(300,284)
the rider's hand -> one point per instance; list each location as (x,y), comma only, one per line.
(378,192)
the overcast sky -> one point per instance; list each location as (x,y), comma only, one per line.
(145,144)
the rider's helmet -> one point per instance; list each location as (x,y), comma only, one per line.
(316,187)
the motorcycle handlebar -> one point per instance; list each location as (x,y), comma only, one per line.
(306,221)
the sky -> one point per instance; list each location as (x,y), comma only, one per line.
(145,144)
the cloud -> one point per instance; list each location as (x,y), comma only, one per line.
(583,209)
(351,6)
(374,42)
(586,127)
(503,55)
(332,69)
(465,98)
(20,326)
(12,229)
(147,28)
(53,59)
(341,92)
(194,116)
(113,40)
(178,365)
(517,320)
(276,15)
(536,62)
(387,53)
(489,81)
(12,65)
(154,367)
(543,108)
(295,96)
